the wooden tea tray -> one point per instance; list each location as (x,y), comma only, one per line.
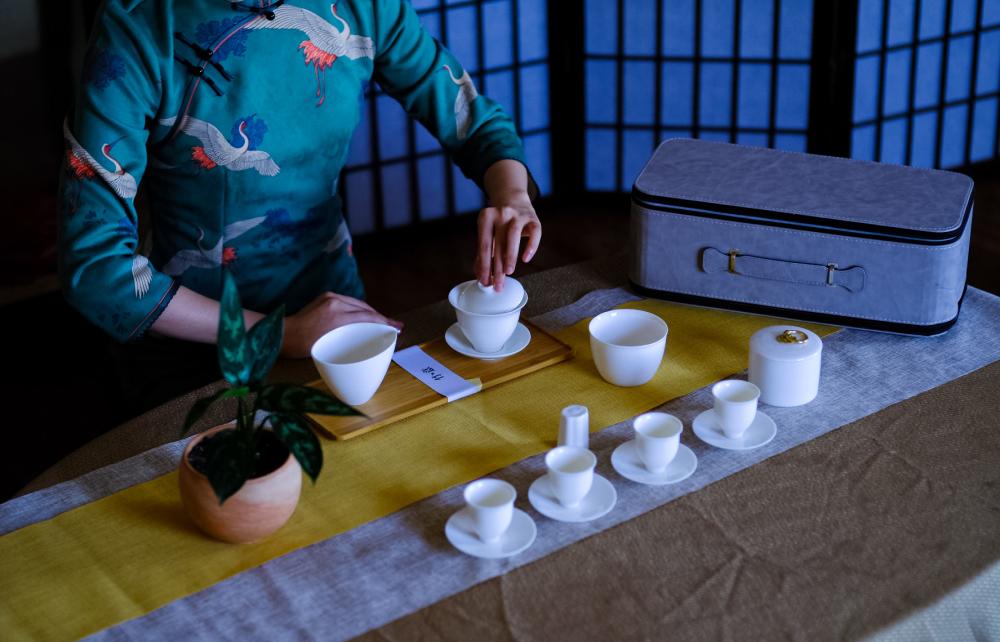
(401,395)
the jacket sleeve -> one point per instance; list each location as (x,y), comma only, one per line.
(101,272)
(431,85)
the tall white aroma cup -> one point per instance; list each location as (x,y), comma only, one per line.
(657,438)
(491,502)
(735,406)
(574,426)
(571,473)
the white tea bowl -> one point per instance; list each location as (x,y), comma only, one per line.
(486,328)
(491,503)
(354,358)
(627,345)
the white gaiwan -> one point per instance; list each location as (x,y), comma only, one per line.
(488,318)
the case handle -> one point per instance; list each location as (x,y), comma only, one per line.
(714,261)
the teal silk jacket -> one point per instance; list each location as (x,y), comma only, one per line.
(236,118)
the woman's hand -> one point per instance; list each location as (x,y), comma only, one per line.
(510,217)
(326,312)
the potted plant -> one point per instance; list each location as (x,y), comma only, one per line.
(240,482)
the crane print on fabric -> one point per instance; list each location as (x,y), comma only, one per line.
(85,167)
(467,94)
(217,256)
(216,151)
(324,44)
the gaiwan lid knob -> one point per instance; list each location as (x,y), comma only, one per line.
(785,343)
(483,299)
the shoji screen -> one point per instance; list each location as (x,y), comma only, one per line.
(926,81)
(734,70)
(397,173)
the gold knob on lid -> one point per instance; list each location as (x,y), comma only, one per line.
(792,336)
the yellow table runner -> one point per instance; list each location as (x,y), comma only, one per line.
(129,553)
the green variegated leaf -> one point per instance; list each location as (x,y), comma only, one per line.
(286,398)
(229,462)
(264,341)
(293,431)
(234,358)
(199,407)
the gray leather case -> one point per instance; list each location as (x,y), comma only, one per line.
(816,238)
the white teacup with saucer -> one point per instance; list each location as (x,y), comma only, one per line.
(656,456)
(709,430)
(489,526)
(571,491)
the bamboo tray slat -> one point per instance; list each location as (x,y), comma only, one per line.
(401,395)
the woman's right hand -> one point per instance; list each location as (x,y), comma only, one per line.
(326,312)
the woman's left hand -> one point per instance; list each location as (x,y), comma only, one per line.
(501,228)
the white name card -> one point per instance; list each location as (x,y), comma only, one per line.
(437,377)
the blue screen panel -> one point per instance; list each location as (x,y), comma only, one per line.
(716,90)
(897,82)
(717,21)
(984,129)
(790,142)
(600,27)
(640,27)
(953,139)
(869,25)
(863,142)
(498,47)
(600,82)
(894,141)
(392,126)
(959,68)
(924,139)
(534,39)
(674,133)
(991,13)
(360,206)
(360,151)
(988,72)
(537,150)
(678,27)
(468,197)
(865,88)
(678,89)
(534,97)
(714,135)
(463,36)
(900,22)
(963,15)
(640,78)
(928,75)
(796,30)
(637,147)
(431,178)
(752,139)
(499,86)
(793,96)
(424,4)
(432,23)
(755,95)
(396,195)
(755,28)
(931,18)
(600,161)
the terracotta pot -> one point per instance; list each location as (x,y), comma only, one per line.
(259,508)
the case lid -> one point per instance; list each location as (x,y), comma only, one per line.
(823,191)
(785,343)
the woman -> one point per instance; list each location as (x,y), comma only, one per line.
(236,117)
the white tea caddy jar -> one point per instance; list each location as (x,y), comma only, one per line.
(784,364)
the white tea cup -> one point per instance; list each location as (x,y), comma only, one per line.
(491,503)
(354,358)
(735,406)
(657,438)
(627,345)
(486,331)
(571,473)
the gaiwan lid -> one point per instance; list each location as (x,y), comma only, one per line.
(785,343)
(483,299)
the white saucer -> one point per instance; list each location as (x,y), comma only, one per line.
(760,432)
(625,460)
(518,341)
(519,536)
(601,499)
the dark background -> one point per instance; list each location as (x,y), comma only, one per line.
(593,87)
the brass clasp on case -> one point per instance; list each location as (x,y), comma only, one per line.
(732,260)
(830,269)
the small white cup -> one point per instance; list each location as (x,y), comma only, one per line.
(574,426)
(627,345)
(486,332)
(491,502)
(571,473)
(657,438)
(735,406)
(354,358)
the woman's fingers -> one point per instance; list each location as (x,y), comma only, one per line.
(534,229)
(484,256)
(357,303)
(498,274)
(362,316)
(513,238)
